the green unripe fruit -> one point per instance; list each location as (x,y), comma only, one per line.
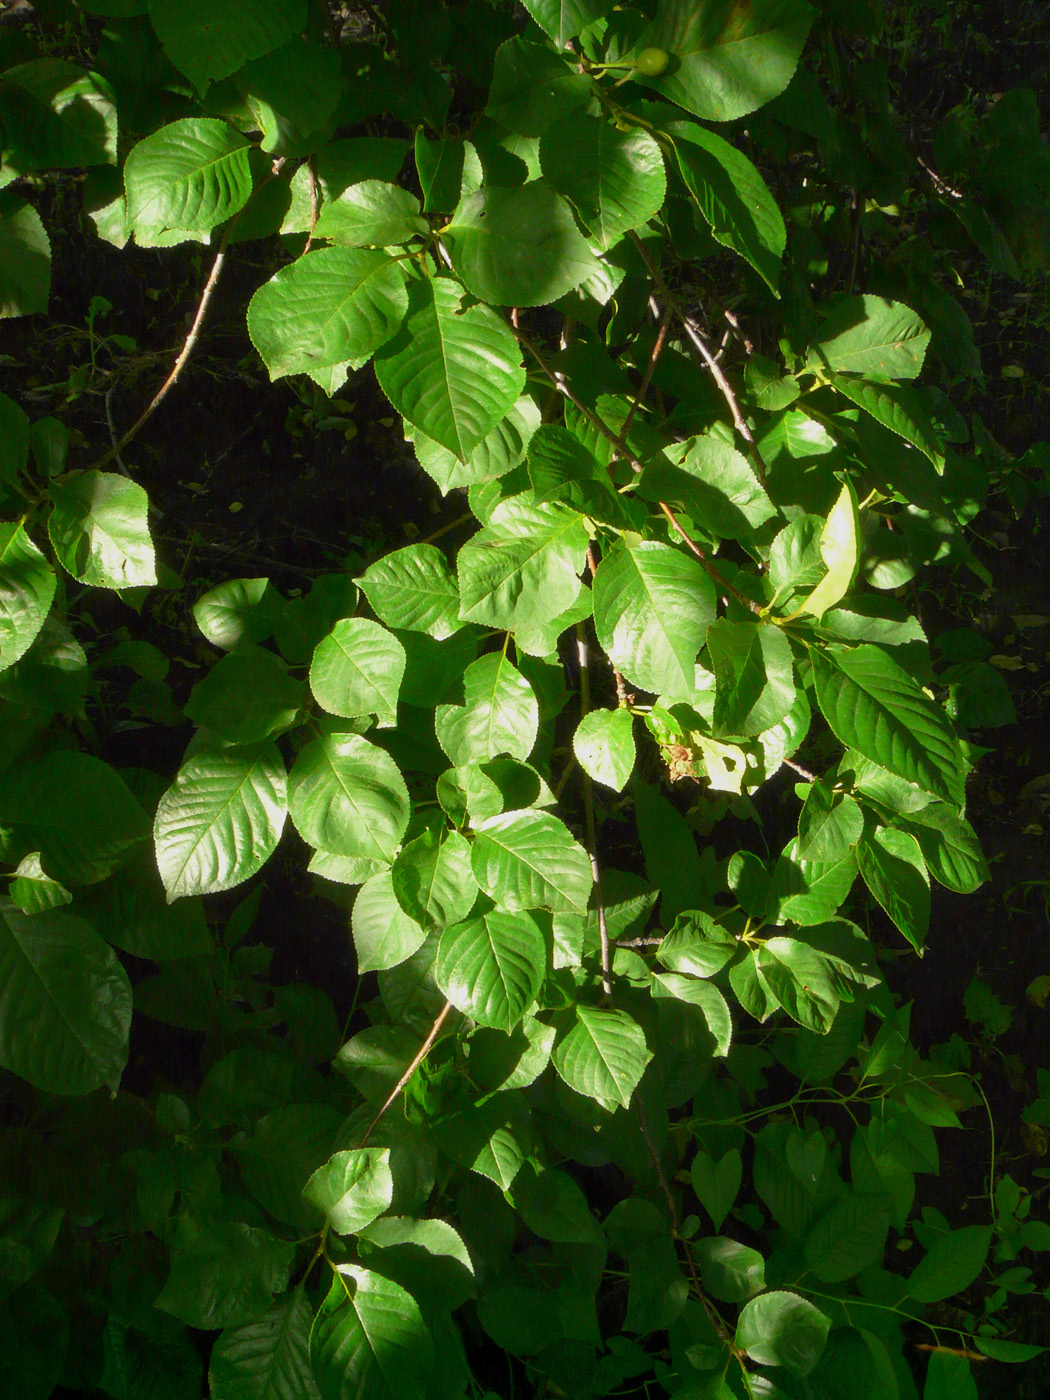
(651,62)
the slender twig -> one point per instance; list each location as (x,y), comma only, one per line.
(183,355)
(703,350)
(112,427)
(621,686)
(939,183)
(802,772)
(638,942)
(742,335)
(661,336)
(416,1061)
(563,387)
(444,530)
(588,815)
(312,178)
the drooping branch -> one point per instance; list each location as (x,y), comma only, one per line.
(414,1063)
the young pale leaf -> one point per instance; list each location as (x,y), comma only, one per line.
(871,704)
(500,714)
(782,1329)
(870,335)
(371,214)
(733,198)
(357,670)
(615,179)
(414,589)
(267,1358)
(453,374)
(716,1183)
(727,61)
(528,860)
(333,306)
(893,869)
(839,550)
(384,935)
(523,568)
(192,175)
(519,247)
(246,697)
(652,608)
(432,879)
(604,1055)
(352,1189)
(241,612)
(491,968)
(754,676)
(347,796)
(604,747)
(27,588)
(100,531)
(207,42)
(369,1340)
(703,995)
(221,819)
(65,1003)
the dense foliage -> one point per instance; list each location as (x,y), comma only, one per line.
(618,790)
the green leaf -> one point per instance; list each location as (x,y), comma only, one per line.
(369,1340)
(870,335)
(357,670)
(714,483)
(705,996)
(528,860)
(874,706)
(523,567)
(207,42)
(801,981)
(728,61)
(414,589)
(949,847)
(562,20)
(76,811)
(384,935)
(191,175)
(604,747)
(893,869)
(432,879)
(267,1358)
(293,91)
(519,247)
(371,214)
(848,1237)
(840,551)
(221,819)
(729,1271)
(782,1329)
(241,612)
(828,825)
(953,1261)
(32,888)
(615,179)
(225,1276)
(246,697)
(532,87)
(562,469)
(491,968)
(754,676)
(499,451)
(100,531)
(603,1056)
(500,713)
(27,588)
(716,1184)
(65,1003)
(282,1152)
(652,608)
(696,945)
(452,373)
(733,198)
(898,408)
(331,307)
(25,261)
(352,1189)
(56,117)
(348,797)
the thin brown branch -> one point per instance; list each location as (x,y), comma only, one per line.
(588,816)
(703,350)
(416,1061)
(658,346)
(312,178)
(802,772)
